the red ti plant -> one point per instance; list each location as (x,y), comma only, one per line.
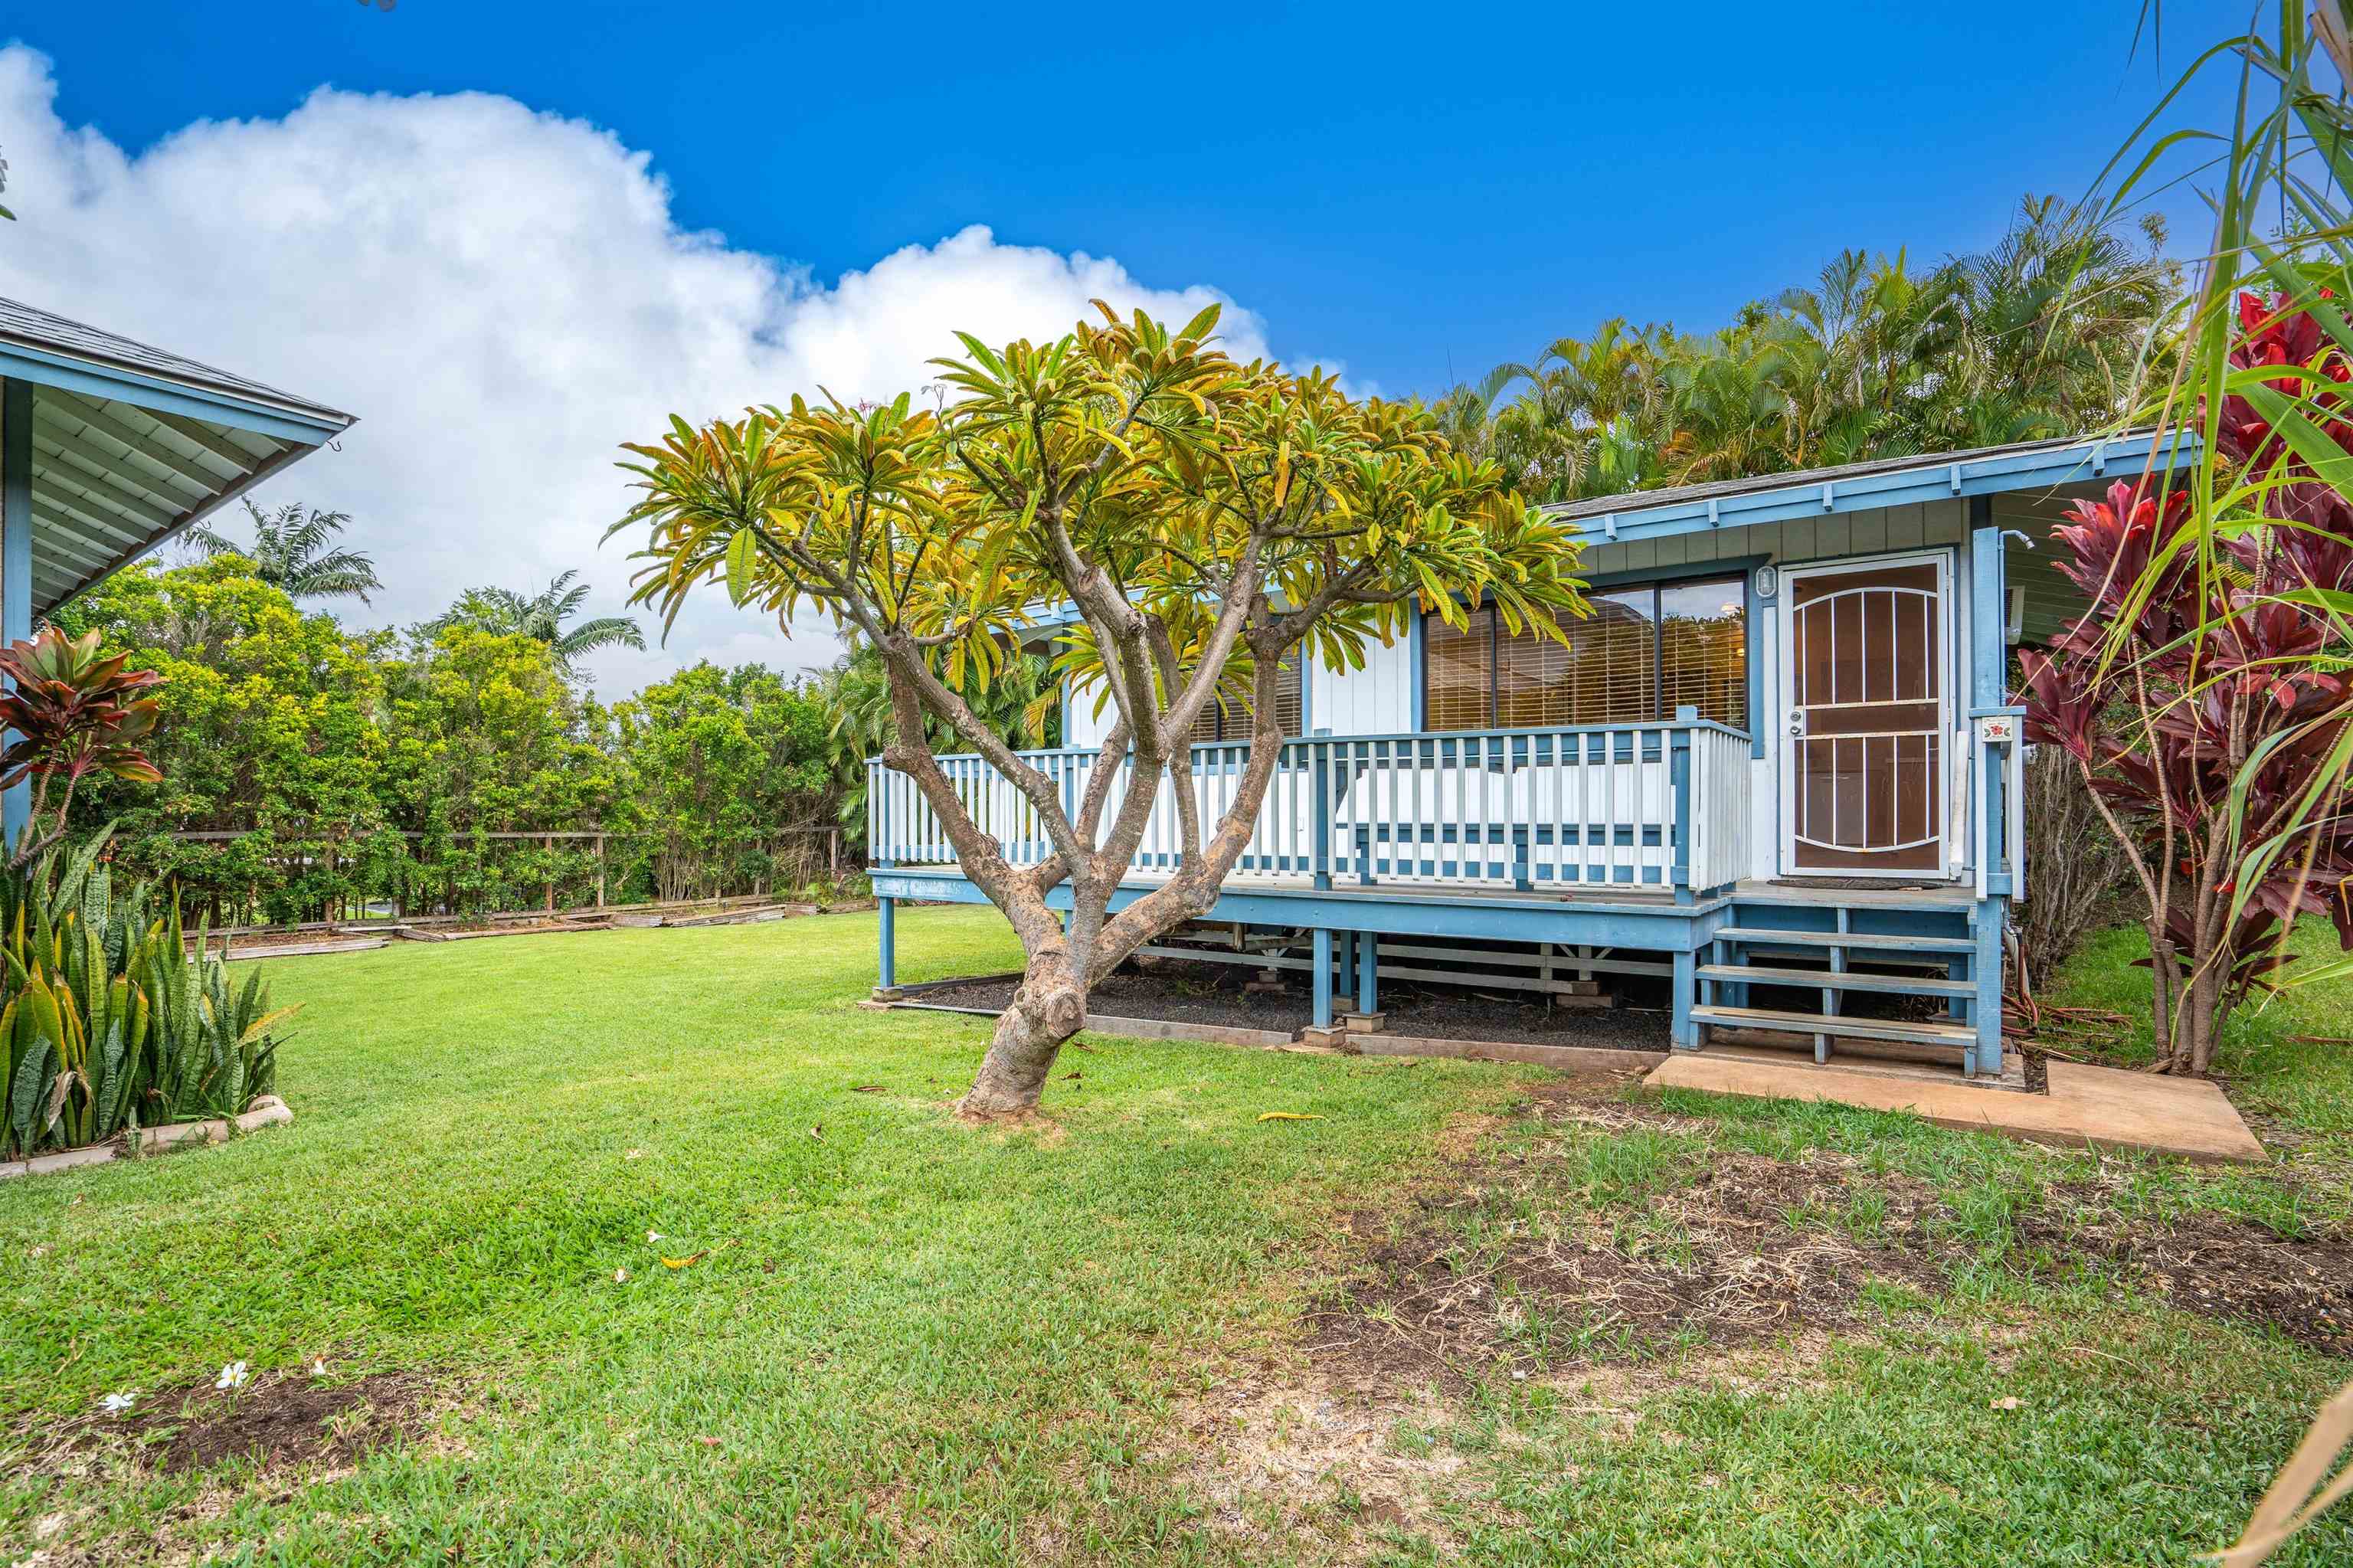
(71,712)
(2205,701)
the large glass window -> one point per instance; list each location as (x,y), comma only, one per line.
(1643,652)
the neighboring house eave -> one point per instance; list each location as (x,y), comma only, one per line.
(109,447)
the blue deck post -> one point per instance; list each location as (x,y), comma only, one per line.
(1323,976)
(888,967)
(1344,985)
(15,556)
(1680,772)
(1679,1030)
(1989,685)
(1985,1059)
(1368,994)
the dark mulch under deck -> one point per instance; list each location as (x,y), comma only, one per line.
(1220,1002)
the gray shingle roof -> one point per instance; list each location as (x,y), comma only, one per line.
(40,329)
(1640,500)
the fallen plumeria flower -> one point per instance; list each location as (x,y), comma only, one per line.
(116,1404)
(620,1277)
(652,1236)
(317,1366)
(233,1376)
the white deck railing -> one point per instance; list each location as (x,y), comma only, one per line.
(1661,808)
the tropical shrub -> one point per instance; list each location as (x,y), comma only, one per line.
(108,1023)
(73,712)
(2207,712)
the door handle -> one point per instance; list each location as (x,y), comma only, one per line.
(1797,723)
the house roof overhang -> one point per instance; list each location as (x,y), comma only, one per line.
(1865,486)
(131,443)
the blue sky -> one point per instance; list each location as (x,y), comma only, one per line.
(1420,191)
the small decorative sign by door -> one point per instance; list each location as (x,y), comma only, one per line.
(1866,657)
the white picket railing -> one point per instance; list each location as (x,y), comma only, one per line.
(1649,807)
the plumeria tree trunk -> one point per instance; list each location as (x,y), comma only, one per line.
(1207,521)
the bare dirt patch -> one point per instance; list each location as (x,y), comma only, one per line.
(1517,1263)
(1290,1461)
(2213,1264)
(278,1421)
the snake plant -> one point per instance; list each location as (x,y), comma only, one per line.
(107,1023)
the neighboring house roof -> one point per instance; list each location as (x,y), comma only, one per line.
(131,443)
(25,324)
(1859,486)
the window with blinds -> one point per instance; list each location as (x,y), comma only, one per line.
(1643,652)
(1227,717)
(1459,673)
(1703,650)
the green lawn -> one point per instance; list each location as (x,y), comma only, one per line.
(907,1340)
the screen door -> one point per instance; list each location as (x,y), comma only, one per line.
(1865,684)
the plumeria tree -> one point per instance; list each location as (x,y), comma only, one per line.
(1205,519)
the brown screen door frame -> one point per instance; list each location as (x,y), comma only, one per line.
(1929,781)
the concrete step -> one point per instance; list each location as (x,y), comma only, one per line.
(1959,1035)
(1837,980)
(1875,939)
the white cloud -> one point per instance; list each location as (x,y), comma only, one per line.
(502,296)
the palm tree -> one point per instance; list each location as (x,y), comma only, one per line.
(505,613)
(290,551)
(2055,329)
(2047,334)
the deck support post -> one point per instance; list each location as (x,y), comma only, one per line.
(887,969)
(1989,688)
(1368,970)
(15,559)
(1984,1061)
(1680,1033)
(1679,856)
(1323,976)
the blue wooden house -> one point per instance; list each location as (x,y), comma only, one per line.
(1776,770)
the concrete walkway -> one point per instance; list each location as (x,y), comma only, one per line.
(2101,1107)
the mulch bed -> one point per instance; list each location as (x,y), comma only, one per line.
(1183,998)
(1741,1245)
(277,1420)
